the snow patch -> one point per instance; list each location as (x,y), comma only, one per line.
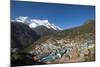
(33,23)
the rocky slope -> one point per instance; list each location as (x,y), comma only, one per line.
(72,45)
(21,35)
(44,31)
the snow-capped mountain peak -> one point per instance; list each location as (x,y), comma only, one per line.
(33,23)
(21,19)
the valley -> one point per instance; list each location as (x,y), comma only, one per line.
(62,46)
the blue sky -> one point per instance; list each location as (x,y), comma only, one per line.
(62,15)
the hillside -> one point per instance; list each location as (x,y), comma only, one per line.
(79,43)
(71,45)
(21,35)
(87,28)
(44,31)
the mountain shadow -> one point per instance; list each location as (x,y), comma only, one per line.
(44,31)
(22,35)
